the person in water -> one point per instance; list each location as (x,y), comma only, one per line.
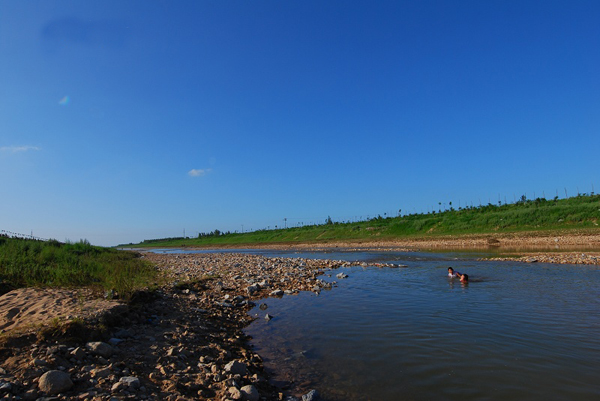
(452,273)
(464,278)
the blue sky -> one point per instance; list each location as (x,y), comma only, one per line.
(129,120)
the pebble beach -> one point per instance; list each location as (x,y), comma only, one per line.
(183,341)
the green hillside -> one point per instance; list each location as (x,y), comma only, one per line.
(581,212)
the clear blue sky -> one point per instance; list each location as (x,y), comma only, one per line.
(129,120)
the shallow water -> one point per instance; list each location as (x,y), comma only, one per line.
(517,331)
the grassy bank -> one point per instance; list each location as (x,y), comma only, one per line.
(26,263)
(539,215)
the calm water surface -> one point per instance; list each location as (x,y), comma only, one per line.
(517,331)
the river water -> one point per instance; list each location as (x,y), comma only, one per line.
(515,332)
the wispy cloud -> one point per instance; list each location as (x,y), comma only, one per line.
(199,172)
(18,149)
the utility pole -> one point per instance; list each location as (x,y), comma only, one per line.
(285,221)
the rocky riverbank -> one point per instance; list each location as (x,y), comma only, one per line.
(576,258)
(183,341)
(521,242)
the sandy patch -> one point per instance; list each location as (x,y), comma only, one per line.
(27,307)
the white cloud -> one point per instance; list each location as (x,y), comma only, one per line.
(199,172)
(17,149)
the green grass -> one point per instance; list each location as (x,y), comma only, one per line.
(581,212)
(26,263)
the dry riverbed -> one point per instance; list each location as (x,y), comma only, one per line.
(183,341)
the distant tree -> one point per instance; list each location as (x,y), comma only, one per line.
(328,221)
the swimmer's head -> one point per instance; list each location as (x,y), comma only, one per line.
(464,278)
(450,270)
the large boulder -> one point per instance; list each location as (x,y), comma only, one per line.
(55,382)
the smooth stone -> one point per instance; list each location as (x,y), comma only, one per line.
(101,373)
(39,362)
(236,368)
(123,333)
(78,353)
(55,382)
(115,341)
(235,393)
(252,289)
(250,393)
(131,381)
(100,348)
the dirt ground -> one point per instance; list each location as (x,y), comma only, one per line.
(28,308)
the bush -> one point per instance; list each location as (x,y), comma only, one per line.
(26,263)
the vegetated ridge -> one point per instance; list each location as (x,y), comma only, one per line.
(28,262)
(537,215)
